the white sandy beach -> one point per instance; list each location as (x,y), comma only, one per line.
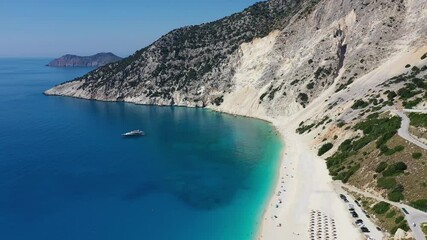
(303,186)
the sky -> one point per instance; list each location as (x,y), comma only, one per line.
(52,28)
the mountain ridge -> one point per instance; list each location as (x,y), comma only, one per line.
(163,74)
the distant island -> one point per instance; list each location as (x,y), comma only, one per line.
(96,60)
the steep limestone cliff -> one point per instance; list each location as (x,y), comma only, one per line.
(273,58)
(190,66)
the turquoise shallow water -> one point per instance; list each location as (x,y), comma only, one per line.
(66,173)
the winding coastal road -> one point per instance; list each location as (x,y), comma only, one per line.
(415,216)
(404,128)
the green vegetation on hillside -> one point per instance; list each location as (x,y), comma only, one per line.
(395,169)
(359,104)
(390,151)
(381,167)
(417,155)
(302,128)
(396,195)
(343,86)
(326,147)
(420,204)
(322,72)
(379,158)
(381,207)
(375,129)
(303,97)
(399,177)
(414,88)
(418,119)
(386,182)
(219,100)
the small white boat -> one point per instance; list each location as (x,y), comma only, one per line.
(133,133)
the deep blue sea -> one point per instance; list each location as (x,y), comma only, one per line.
(66,172)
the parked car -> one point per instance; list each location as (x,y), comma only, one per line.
(405,211)
(359,221)
(364,229)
